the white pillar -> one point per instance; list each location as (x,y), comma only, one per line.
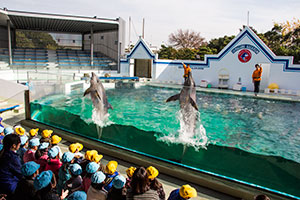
(9,42)
(92,46)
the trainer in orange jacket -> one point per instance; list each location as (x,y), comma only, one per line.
(256,77)
(187,70)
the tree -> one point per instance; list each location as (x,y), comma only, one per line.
(31,39)
(167,52)
(186,39)
(216,45)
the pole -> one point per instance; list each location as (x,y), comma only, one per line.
(129,42)
(9,42)
(92,46)
(143,35)
(248,18)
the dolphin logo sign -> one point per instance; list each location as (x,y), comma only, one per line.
(244,55)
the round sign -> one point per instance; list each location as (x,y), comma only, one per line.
(244,55)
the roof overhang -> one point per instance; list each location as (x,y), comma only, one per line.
(56,23)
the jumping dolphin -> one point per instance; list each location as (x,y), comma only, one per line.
(187,100)
(98,96)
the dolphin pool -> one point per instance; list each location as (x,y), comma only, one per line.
(252,140)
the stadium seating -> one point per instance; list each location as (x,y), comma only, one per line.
(40,58)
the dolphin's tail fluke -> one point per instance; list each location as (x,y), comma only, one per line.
(173,98)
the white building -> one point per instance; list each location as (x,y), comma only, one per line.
(237,60)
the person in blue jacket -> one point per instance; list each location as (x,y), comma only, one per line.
(10,164)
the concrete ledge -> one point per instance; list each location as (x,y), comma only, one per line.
(223,185)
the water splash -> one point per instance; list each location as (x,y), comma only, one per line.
(101,119)
(187,135)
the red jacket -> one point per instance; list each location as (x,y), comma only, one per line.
(54,166)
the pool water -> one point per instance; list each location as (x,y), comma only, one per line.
(245,130)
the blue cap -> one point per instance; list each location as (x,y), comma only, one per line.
(67,157)
(34,142)
(1,129)
(92,167)
(44,145)
(98,177)
(75,169)
(8,130)
(119,182)
(29,168)
(1,147)
(42,180)
(78,195)
(53,152)
(23,139)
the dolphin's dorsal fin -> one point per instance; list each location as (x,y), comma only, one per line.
(173,98)
(193,103)
(89,90)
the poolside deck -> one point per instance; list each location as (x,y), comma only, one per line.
(267,96)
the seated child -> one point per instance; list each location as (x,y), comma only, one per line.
(63,173)
(25,189)
(19,130)
(111,173)
(8,130)
(154,183)
(129,173)
(46,134)
(118,190)
(91,168)
(97,191)
(55,139)
(44,184)
(23,147)
(185,192)
(54,162)
(41,156)
(33,146)
(33,132)
(74,183)
(76,148)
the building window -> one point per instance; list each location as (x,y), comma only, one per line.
(102,37)
(89,37)
(116,42)
(58,40)
(73,41)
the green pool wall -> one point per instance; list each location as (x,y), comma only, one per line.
(271,172)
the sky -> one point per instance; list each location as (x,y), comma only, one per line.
(212,18)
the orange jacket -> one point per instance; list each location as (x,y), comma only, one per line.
(187,69)
(256,76)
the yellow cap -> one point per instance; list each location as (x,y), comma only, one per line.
(33,132)
(111,167)
(96,158)
(55,139)
(20,131)
(46,133)
(89,154)
(152,172)
(186,191)
(73,147)
(130,171)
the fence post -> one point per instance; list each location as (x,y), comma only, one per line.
(27,104)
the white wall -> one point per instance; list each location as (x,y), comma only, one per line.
(12,90)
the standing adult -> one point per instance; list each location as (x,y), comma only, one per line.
(256,78)
(10,165)
(187,70)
